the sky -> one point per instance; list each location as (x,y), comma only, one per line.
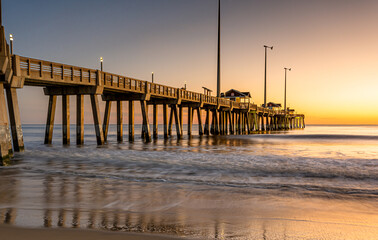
(331,47)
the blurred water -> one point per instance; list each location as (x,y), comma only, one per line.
(317,183)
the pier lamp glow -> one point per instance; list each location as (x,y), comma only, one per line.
(285,87)
(101,60)
(152,77)
(11,43)
(271,48)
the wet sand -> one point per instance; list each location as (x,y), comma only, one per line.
(16,233)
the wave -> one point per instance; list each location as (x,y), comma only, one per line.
(319,136)
(311,188)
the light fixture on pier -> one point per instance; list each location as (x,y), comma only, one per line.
(185,85)
(11,43)
(285,87)
(271,48)
(152,77)
(101,60)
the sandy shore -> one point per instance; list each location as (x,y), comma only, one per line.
(17,233)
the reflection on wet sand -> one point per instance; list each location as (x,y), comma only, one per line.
(146,208)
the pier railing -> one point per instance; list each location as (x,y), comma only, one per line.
(40,72)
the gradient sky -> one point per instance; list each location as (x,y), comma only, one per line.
(331,46)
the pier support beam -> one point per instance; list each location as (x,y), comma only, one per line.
(220,117)
(105,126)
(207,122)
(190,120)
(50,119)
(247,123)
(97,119)
(216,128)
(66,119)
(231,122)
(181,117)
(165,120)
(146,134)
(155,121)
(5,135)
(79,119)
(131,121)
(15,120)
(199,117)
(170,122)
(304,124)
(119,121)
(177,121)
(212,127)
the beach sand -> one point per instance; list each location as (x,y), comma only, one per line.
(16,233)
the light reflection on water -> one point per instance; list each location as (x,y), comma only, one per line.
(291,185)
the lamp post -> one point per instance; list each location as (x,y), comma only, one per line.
(11,43)
(271,48)
(101,60)
(152,77)
(285,87)
(218,59)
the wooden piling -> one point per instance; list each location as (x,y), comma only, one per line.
(79,119)
(225,123)
(177,121)
(119,121)
(131,121)
(199,117)
(247,123)
(212,127)
(220,114)
(181,117)
(66,119)
(50,119)
(216,122)
(15,120)
(5,135)
(97,119)
(170,122)
(190,120)
(165,120)
(105,126)
(207,122)
(146,125)
(155,121)
(231,123)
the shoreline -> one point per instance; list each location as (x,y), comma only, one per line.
(11,232)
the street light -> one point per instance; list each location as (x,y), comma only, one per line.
(101,60)
(218,58)
(11,43)
(271,48)
(285,86)
(152,77)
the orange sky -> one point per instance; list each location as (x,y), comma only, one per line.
(331,47)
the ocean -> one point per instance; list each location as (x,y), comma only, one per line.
(320,182)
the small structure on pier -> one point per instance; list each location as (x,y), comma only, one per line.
(237,96)
(273,106)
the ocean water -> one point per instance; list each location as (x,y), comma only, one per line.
(316,183)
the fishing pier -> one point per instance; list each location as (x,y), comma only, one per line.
(222,116)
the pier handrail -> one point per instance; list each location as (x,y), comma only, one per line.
(42,72)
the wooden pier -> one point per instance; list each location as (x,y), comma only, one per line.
(61,80)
